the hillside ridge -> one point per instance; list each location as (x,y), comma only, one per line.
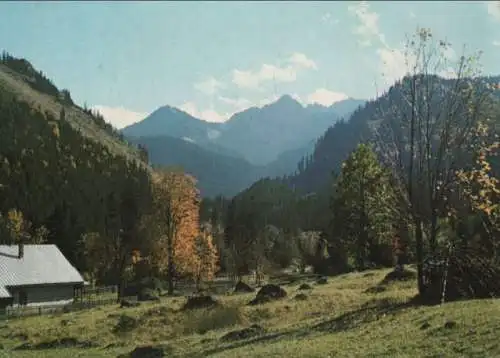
(15,83)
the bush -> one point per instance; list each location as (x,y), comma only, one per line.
(147,294)
(135,288)
(466,276)
(125,324)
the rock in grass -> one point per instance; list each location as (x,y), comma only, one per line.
(450,324)
(65,342)
(127,304)
(146,352)
(305,286)
(322,281)
(301,297)
(243,287)
(195,302)
(425,325)
(268,293)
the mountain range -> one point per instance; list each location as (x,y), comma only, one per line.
(370,124)
(255,143)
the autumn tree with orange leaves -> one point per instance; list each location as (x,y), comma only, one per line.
(206,257)
(174,224)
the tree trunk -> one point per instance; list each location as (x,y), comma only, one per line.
(419,244)
(433,234)
(170,266)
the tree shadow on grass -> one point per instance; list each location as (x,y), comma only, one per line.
(371,312)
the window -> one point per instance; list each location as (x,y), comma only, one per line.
(23,298)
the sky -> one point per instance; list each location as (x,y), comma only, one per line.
(213,59)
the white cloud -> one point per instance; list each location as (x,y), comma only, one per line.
(208,115)
(493,9)
(496,43)
(368,28)
(412,15)
(449,53)
(238,103)
(119,117)
(209,86)
(249,79)
(301,60)
(253,79)
(392,61)
(392,64)
(325,97)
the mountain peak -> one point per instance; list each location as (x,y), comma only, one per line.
(287,99)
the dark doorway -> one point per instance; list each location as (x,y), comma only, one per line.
(23,298)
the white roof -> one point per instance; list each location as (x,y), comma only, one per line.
(40,264)
(4,293)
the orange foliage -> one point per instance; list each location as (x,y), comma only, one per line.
(481,188)
(176,218)
(206,256)
(136,256)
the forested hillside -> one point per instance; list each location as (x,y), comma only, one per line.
(67,179)
(59,179)
(366,124)
(217,174)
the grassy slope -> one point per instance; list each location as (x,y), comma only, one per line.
(14,83)
(337,320)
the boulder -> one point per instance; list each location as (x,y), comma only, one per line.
(305,286)
(322,281)
(127,304)
(243,287)
(195,302)
(146,352)
(268,293)
(301,297)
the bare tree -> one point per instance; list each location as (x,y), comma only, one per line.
(425,132)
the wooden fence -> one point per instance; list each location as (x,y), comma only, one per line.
(84,299)
(94,297)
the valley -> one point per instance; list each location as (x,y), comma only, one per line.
(227,157)
(263,196)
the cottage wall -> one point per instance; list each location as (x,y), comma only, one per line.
(44,294)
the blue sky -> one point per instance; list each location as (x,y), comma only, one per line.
(215,58)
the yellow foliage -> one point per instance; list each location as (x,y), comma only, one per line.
(481,188)
(15,224)
(175,218)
